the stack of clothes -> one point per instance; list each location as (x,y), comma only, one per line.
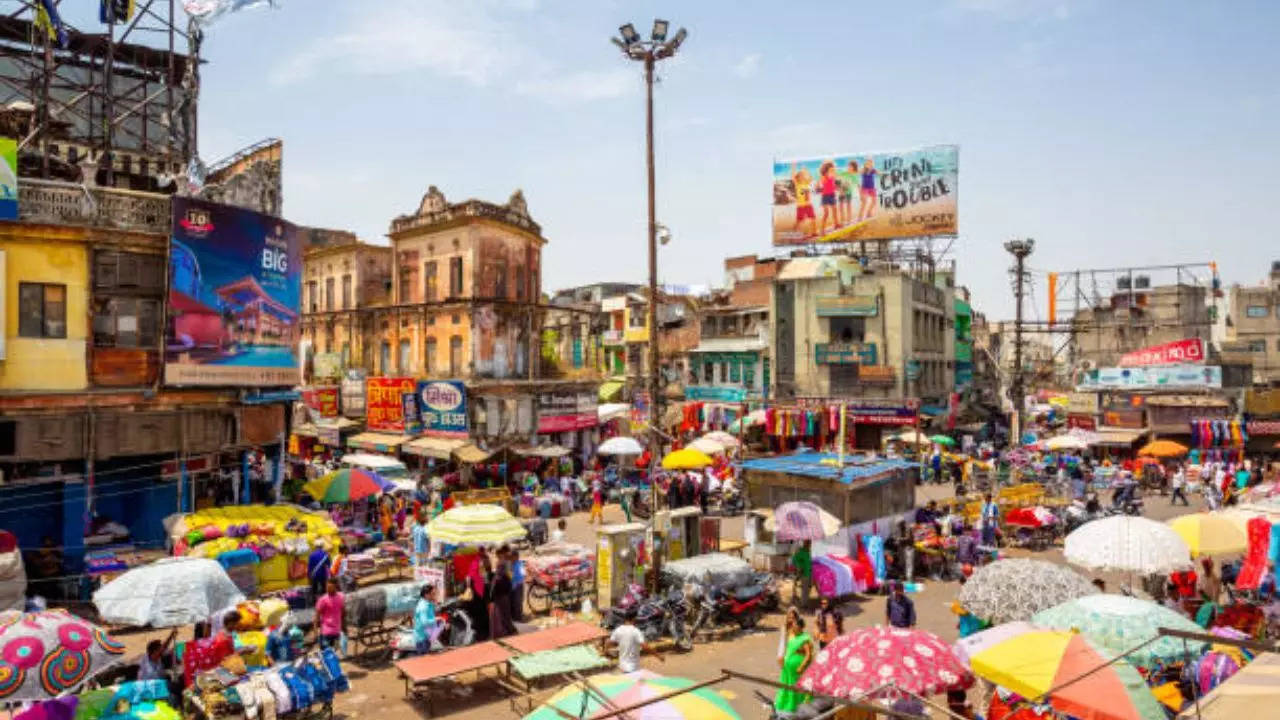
(838,575)
(262,695)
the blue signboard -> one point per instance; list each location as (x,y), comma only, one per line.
(715,394)
(443,405)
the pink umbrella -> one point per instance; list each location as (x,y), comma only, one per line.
(803,521)
(874,658)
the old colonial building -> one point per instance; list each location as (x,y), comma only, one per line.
(341,278)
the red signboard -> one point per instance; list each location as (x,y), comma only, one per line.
(1084,422)
(1180,352)
(384,402)
(323,400)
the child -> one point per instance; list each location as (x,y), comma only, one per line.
(867,194)
(804,201)
(849,180)
(827,186)
(597,502)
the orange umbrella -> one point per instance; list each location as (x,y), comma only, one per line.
(1164,449)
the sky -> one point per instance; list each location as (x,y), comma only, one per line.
(1113,133)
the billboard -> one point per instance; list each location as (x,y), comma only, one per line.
(866,196)
(444,407)
(323,401)
(384,402)
(8,179)
(235,278)
(562,412)
(1169,377)
(1190,351)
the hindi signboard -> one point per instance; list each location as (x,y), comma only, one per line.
(444,407)
(384,402)
(1180,352)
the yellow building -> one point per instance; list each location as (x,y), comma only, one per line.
(339,280)
(46,274)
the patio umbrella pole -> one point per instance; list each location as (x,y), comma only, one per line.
(1195,690)
(592,691)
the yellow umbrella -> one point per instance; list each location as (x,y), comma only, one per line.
(1163,449)
(1210,534)
(476,525)
(686,459)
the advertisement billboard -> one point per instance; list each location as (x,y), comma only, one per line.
(235,279)
(8,179)
(561,412)
(321,400)
(444,407)
(866,196)
(384,402)
(1188,351)
(1176,377)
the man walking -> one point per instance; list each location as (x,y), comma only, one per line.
(990,519)
(1178,487)
(899,610)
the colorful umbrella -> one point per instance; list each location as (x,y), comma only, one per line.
(1163,449)
(476,525)
(686,459)
(626,690)
(943,440)
(1119,623)
(802,520)
(620,446)
(1071,673)
(346,485)
(1209,534)
(724,438)
(1127,544)
(707,446)
(1016,589)
(872,658)
(167,593)
(45,654)
(967,647)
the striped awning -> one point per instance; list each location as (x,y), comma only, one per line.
(381,442)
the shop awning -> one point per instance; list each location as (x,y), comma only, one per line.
(542,451)
(611,391)
(439,448)
(313,430)
(1119,438)
(612,411)
(471,454)
(381,442)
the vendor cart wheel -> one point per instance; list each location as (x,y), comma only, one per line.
(539,599)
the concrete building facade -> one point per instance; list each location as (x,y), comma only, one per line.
(1140,316)
(1253,336)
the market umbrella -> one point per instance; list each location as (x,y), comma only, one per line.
(970,645)
(346,485)
(1163,449)
(870,658)
(1071,673)
(1119,623)
(910,437)
(1066,442)
(578,701)
(1245,694)
(1128,544)
(620,446)
(943,440)
(1208,534)
(45,654)
(1016,589)
(724,438)
(475,525)
(707,446)
(686,459)
(802,520)
(167,593)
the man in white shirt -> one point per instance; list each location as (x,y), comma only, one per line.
(1177,486)
(630,642)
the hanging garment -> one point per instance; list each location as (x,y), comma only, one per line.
(874,545)
(1255,558)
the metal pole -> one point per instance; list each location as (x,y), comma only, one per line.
(655,406)
(1017,331)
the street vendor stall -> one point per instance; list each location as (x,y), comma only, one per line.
(273,541)
(861,489)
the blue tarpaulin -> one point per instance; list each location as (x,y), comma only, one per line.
(810,464)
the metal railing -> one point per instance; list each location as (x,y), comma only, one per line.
(62,203)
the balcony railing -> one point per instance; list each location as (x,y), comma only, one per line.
(62,203)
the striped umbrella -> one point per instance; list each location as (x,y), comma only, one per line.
(803,520)
(609,692)
(346,485)
(476,525)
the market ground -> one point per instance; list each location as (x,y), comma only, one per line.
(378,692)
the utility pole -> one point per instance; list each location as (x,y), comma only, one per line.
(1020,249)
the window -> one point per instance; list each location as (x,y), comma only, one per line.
(126,322)
(709,326)
(1256,311)
(42,310)
(406,361)
(455,277)
(430,283)
(520,281)
(346,292)
(500,279)
(455,355)
(456,318)
(724,372)
(312,301)
(346,355)
(1257,346)
(429,356)
(709,373)
(328,294)
(637,314)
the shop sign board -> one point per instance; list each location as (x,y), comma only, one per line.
(1082,403)
(1124,419)
(1262,402)
(1185,377)
(877,374)
(1189,351)
(323,401)
(444,407)
(327,365)
(563,412)
(847,305)
(353,394)
(912,193)
(882,414)
(384,402)
(1082,422)
(715,393)
(9,179)
(844,353)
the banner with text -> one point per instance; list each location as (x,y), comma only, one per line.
(444,407)
(1180,352)
(384,402)
(1175,377)
(866,196)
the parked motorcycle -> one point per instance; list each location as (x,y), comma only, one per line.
(654,617)
(457,631)
(718,606)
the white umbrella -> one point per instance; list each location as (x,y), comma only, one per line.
(911,437)
(707,446)
(723,438)
(619,446)
(1066,442)
(167,593)
(1127,544)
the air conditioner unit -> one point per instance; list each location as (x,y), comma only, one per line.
(1122,283)
(1141,282)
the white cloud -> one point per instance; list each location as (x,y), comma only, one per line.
(748,66)
(480,42)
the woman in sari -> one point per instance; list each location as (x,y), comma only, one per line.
(500,624)
(797,657)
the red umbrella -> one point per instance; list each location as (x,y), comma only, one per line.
(872,658)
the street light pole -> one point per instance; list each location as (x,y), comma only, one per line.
(649,52)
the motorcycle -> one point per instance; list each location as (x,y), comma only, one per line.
(456,630)
(654,617)
(718,606)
